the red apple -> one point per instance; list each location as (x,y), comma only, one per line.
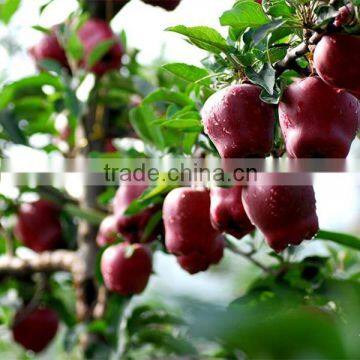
(318,120)
(197,262)
(109,146)
(107,232)
(49,48)
(38,226)
(34,329)
(335,59)
(238,122)
(168,5)
(132,227)
(186,215)
(93,33)
(286,215)
(227,212)
(344,15)
(126,268)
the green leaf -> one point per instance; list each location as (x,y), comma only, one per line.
(8,9)
(166,341)
(42,29)
(141,119)
(204,37)
(167,95)
(189,73)
(151,225)
(263,31)
(99,52)
(92,216)
(278,9)
(185,125)
(265,78)
(38,81)
(75,48)
(11,127)
(243,15)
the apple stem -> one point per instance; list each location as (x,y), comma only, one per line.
(339,238)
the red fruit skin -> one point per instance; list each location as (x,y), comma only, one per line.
(93,33)
(34,330)
(335,60)
(286,215)
(49,48)
(344,15)
(186,215)
(318,120)
(107,232)
(38,226)
(196,262)
(168,5)
(132,227)
(238,122)
(227,212)
(124,272)
(109,146)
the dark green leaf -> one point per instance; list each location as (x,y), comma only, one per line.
(99,52)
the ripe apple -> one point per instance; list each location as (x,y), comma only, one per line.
(186,215)
(168,5)
(49,48)
(227,211)
(107,232)
(38,226)
(34,329)
(93,33)
(126,268)
(238,122)
(335,60)
(132,227)
(286,215)
(197,262)
(318,120)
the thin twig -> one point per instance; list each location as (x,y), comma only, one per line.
(247,256)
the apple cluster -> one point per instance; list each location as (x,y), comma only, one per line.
(319,115)
(91,34)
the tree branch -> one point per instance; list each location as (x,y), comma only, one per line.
(289,61)
(247,256)
(47,262)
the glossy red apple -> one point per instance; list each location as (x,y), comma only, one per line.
(126,268)
(186,215)
(335,59)
(93,33)
(238,122)
(34,329)
(49,48)
(286,215)
(197,262)
(227,212)
(168,5)
(108,233)
(318,120)
(132,227)
(38,226)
